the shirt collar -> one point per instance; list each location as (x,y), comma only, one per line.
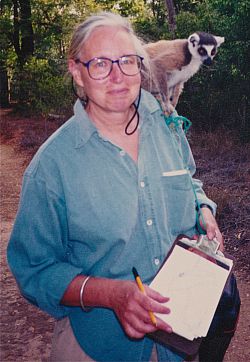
(85,127)
(148,103)
(148,106)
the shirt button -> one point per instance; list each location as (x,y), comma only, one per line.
(122,153)
(149,222)
(157,261)
(142,184)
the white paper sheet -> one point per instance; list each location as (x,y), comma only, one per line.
(194,286)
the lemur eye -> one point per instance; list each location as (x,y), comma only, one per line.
(202,51)
(213,51)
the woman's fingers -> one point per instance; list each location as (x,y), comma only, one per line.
(133,309)
(211,227)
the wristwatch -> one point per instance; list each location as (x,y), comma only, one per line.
(206,206)
(198,225)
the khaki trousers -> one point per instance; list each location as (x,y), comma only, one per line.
(65,347)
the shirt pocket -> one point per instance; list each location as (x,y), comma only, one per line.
(179,201)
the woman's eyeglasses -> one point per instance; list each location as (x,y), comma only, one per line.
(100,68)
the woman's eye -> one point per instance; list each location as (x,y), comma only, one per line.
(128,60)
(101,64)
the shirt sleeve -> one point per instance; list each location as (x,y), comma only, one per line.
(37,250)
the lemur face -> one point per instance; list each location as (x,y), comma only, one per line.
(203,46)
(207,53)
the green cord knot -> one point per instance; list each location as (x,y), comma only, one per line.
(174,121)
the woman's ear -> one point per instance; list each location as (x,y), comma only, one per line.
(75,72)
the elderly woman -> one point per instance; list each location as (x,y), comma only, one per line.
(95,203)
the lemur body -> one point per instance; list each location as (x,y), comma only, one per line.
(174,62)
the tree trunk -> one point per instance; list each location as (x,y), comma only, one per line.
(4,86)
(23,31)
(27,40)
(23,41)
(171,16)
(16,30)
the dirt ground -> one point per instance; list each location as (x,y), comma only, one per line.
(26,331)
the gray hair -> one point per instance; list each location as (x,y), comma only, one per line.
(85,29)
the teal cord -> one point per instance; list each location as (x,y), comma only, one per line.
(198,212)
(174,121)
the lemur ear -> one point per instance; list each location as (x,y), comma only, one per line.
(194,38)
(219,40)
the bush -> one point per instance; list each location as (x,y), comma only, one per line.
(216,96)
(44,87)
(219,95)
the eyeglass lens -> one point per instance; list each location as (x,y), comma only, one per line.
(101,67)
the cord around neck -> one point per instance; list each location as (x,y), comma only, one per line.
(136,106)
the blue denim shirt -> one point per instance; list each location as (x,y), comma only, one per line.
(87,207)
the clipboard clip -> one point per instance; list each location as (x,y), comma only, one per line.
(208,246)
(203,244)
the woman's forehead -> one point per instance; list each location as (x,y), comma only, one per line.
(108,41)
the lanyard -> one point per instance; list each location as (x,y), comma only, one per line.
(173,122)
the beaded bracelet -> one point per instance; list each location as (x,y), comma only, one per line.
(81,294)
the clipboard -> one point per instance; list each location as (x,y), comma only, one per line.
(205,249)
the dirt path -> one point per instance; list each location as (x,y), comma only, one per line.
(26,331)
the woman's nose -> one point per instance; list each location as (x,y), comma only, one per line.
(116,74)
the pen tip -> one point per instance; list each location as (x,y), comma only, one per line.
(135,272)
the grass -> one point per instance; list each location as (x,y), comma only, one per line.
(223,164)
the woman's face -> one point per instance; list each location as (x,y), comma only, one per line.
(118,91)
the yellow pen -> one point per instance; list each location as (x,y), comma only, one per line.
(141,287)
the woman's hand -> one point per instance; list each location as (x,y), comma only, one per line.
(132,308)
(123,296)
(211,226)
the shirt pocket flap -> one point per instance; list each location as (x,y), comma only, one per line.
(177,179)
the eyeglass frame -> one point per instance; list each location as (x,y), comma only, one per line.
(86,64)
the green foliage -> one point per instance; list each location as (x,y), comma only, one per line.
(128,8)
(149,30)
(216,96)
(47,89)
(6,30)
(186,5)
(219,96)
(187,23)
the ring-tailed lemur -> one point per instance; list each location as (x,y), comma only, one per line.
(173,62)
